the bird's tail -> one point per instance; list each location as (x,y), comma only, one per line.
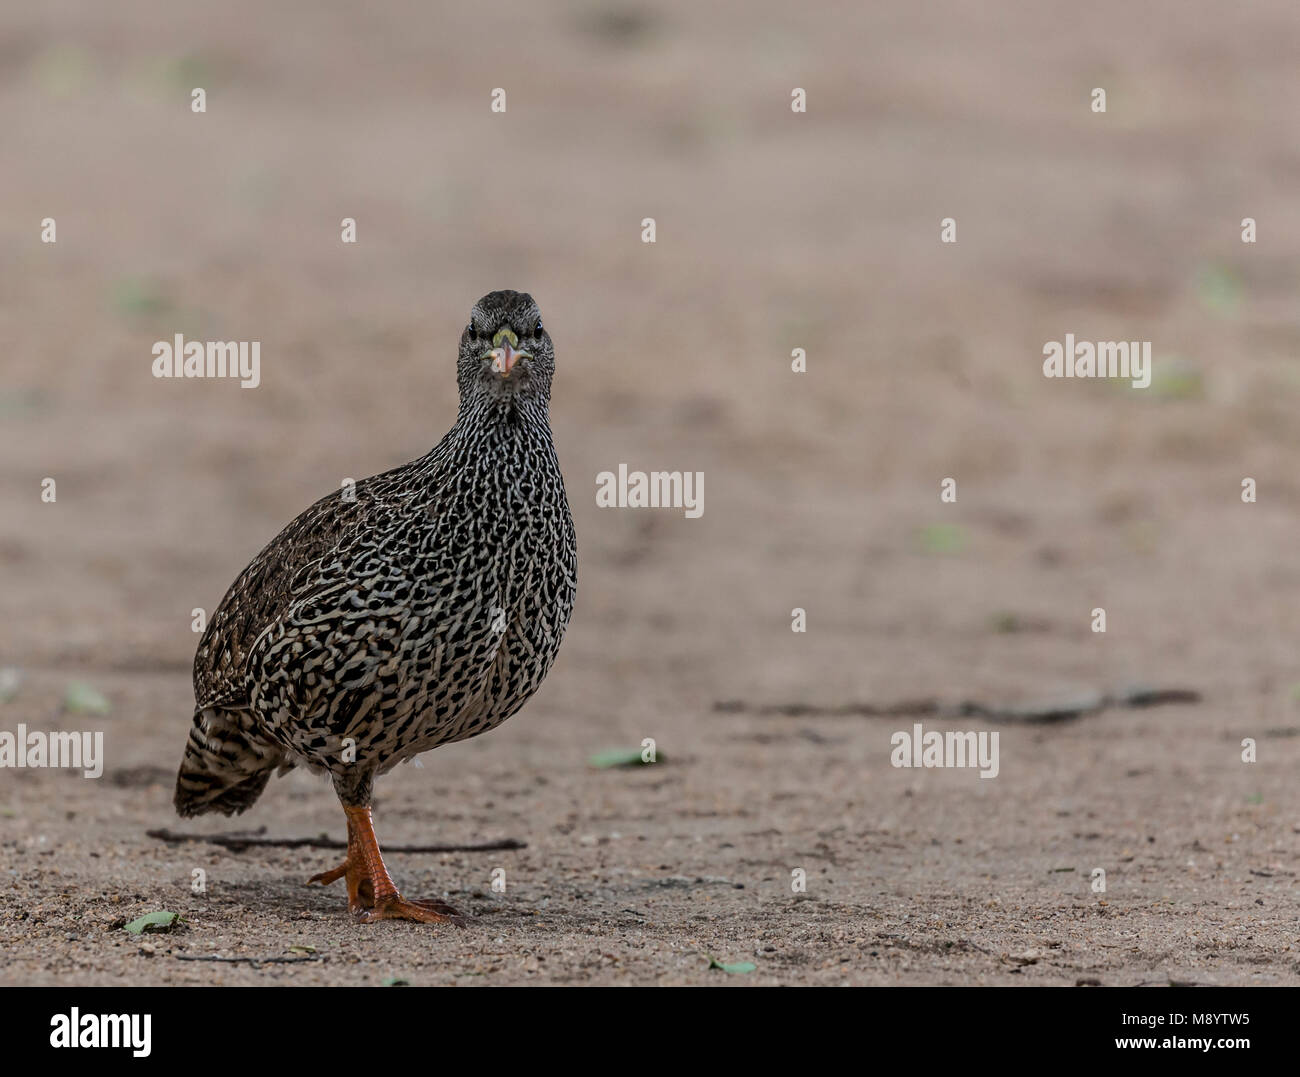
(224,769)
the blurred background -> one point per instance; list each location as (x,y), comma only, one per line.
(775,231)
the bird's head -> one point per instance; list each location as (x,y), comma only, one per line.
(505,353)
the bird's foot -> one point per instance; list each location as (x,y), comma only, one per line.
(396,907)
(372,896)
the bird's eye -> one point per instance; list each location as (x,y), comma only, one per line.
(538,327)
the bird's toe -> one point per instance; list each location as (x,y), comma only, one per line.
(324,878)
(423,912)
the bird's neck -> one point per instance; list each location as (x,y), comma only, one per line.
(491,432)
(520,413)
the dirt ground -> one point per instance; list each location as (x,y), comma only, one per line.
(775,231)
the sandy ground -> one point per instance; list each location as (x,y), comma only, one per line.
(775,231)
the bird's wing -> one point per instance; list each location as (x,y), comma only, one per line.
(263,592)
(289,570)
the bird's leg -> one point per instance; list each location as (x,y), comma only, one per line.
(371,893)
(360,895)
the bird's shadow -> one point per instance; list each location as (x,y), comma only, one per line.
(290,897)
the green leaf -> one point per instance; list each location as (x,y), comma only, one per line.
(300,949)
(23,403)
(1220,288)
(64,71)
(622,757)
(81,698)
(943,538)
(1177,379)
(737,969)
(153,922)
(188,71)
(1005,621)
(394,981)
(139,295)
(10,679)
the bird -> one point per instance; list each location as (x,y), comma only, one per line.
(423,606)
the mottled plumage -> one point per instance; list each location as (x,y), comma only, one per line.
(425,609)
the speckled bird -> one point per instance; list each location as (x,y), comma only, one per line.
(423,607)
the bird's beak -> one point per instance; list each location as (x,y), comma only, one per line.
(504,354)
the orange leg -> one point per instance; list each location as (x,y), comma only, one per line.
(371,893)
